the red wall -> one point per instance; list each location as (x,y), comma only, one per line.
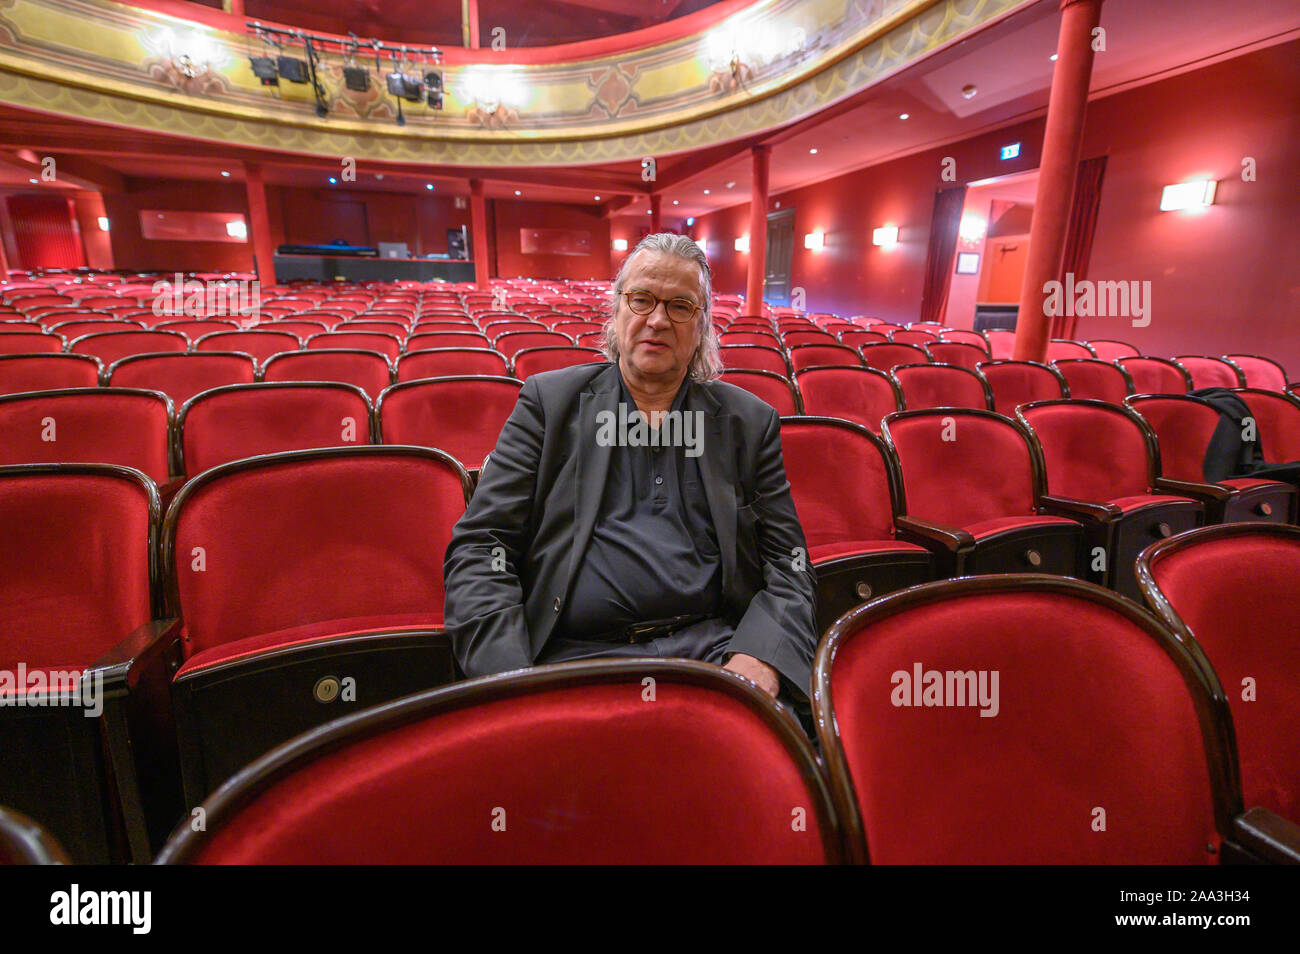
(513,216)
(1222,282)
(46,234)
(132,251)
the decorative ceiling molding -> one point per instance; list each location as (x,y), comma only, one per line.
(768,65)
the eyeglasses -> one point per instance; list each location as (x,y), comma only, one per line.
(641,302)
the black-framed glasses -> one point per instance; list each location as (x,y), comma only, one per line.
(641,302)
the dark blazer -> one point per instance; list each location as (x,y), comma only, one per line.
(512,557)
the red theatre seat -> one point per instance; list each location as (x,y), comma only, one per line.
(114,345)
(1230,591)
(128,427)
(30,342)
(886,357)
(1103,468)
(255,341)
(1060,348)
(1091,379)
(1156,375)
(309,585)
(941,385)
(47,372)
(461,415)
(1263,373)
(532,361)
(444,362)
(244,420)
(389,345)
(959,353)
(1105,741)
(856,337)
(181,376)
(1184,426)
(973,494)
(1211,372)
(861,395)
(754,357)
(78,597)
(27,842)
(963,336)
(1277,420)
(368,370)
(426,341)
(1014,383)
(512,342)
(773,389)
(1110,350)
(823,355)
(579,767)
(847,513)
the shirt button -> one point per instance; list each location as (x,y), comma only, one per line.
(557,604)
(659,480)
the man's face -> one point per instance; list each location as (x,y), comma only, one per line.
(653,346)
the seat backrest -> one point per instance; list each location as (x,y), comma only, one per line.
(773,389)
(30,342)
(1092,450)
(965,336)
(1231,589)
(962,466)
(109,346)
(258,342)
(426,341)
(302,328)
(856,337)
(1264,373)
(823,355)
(861,395)
(1277,420)
(75,562)
(196,329)
(1096,753)
(398,329)
(294,539)
(181,376)
(913,336)
(755,357)
(1109,350)
(389,345)
(563,751)
(512,342)
(748,337)
(1093,379)
(1211,372)
(1156,375)
(1059,348)
(368,370)
(957,353)
(90,326)
(123,426)
(244,420)
(1014,383)
(941,385)
(1183,425)
(47,372)
(530,361)
(1002,343)
(444,362)
(886,357)
(807,336)
(461,415)
(852,501)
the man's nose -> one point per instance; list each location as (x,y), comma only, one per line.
(658,317)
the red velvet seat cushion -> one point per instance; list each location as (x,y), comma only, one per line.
(590,774)
(987,528)
(829,551)
(1091,715)
(1250,483)
(1138,501)
(308,633)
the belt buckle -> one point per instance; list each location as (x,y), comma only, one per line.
(639,629)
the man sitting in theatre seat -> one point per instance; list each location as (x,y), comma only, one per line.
(639,507)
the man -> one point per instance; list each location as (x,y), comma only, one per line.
(595,531)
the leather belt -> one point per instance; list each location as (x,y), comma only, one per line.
(644,632)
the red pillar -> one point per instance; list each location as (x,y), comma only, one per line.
(471,18)
(259,222)
(656,221)
(1062,142)
(479,231)
(757,232)
(234,7)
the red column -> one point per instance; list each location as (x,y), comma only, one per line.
(259,222)
(656,221)
(234,7)
(471,19)
(479,231)
(1062,142)
(757,233)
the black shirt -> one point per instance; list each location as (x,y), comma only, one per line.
(653,552)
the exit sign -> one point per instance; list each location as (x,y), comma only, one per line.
(1011,151)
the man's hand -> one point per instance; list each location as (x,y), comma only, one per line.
(756,671)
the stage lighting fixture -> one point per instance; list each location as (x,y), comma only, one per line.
(356,78)
(264,69)
(403,86)
(433,80)
(292,69)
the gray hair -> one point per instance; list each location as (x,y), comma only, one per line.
(706,363)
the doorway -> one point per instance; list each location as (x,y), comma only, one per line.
(992,244)
(780,257)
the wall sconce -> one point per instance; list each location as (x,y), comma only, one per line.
(494,96)
(734,51)
(1188,195)
(237,228)
(885,236)
(815,241)
(742,244)
(620,245)
(103,223)
(186,59)
(972,228)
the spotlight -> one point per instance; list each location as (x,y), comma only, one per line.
(356,78)
(264,69)
(401,85)
(433,80)
(292,69)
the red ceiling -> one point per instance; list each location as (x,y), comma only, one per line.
(438,22)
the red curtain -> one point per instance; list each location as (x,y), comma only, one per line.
(1080,231)
(943,246)
(45,232)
